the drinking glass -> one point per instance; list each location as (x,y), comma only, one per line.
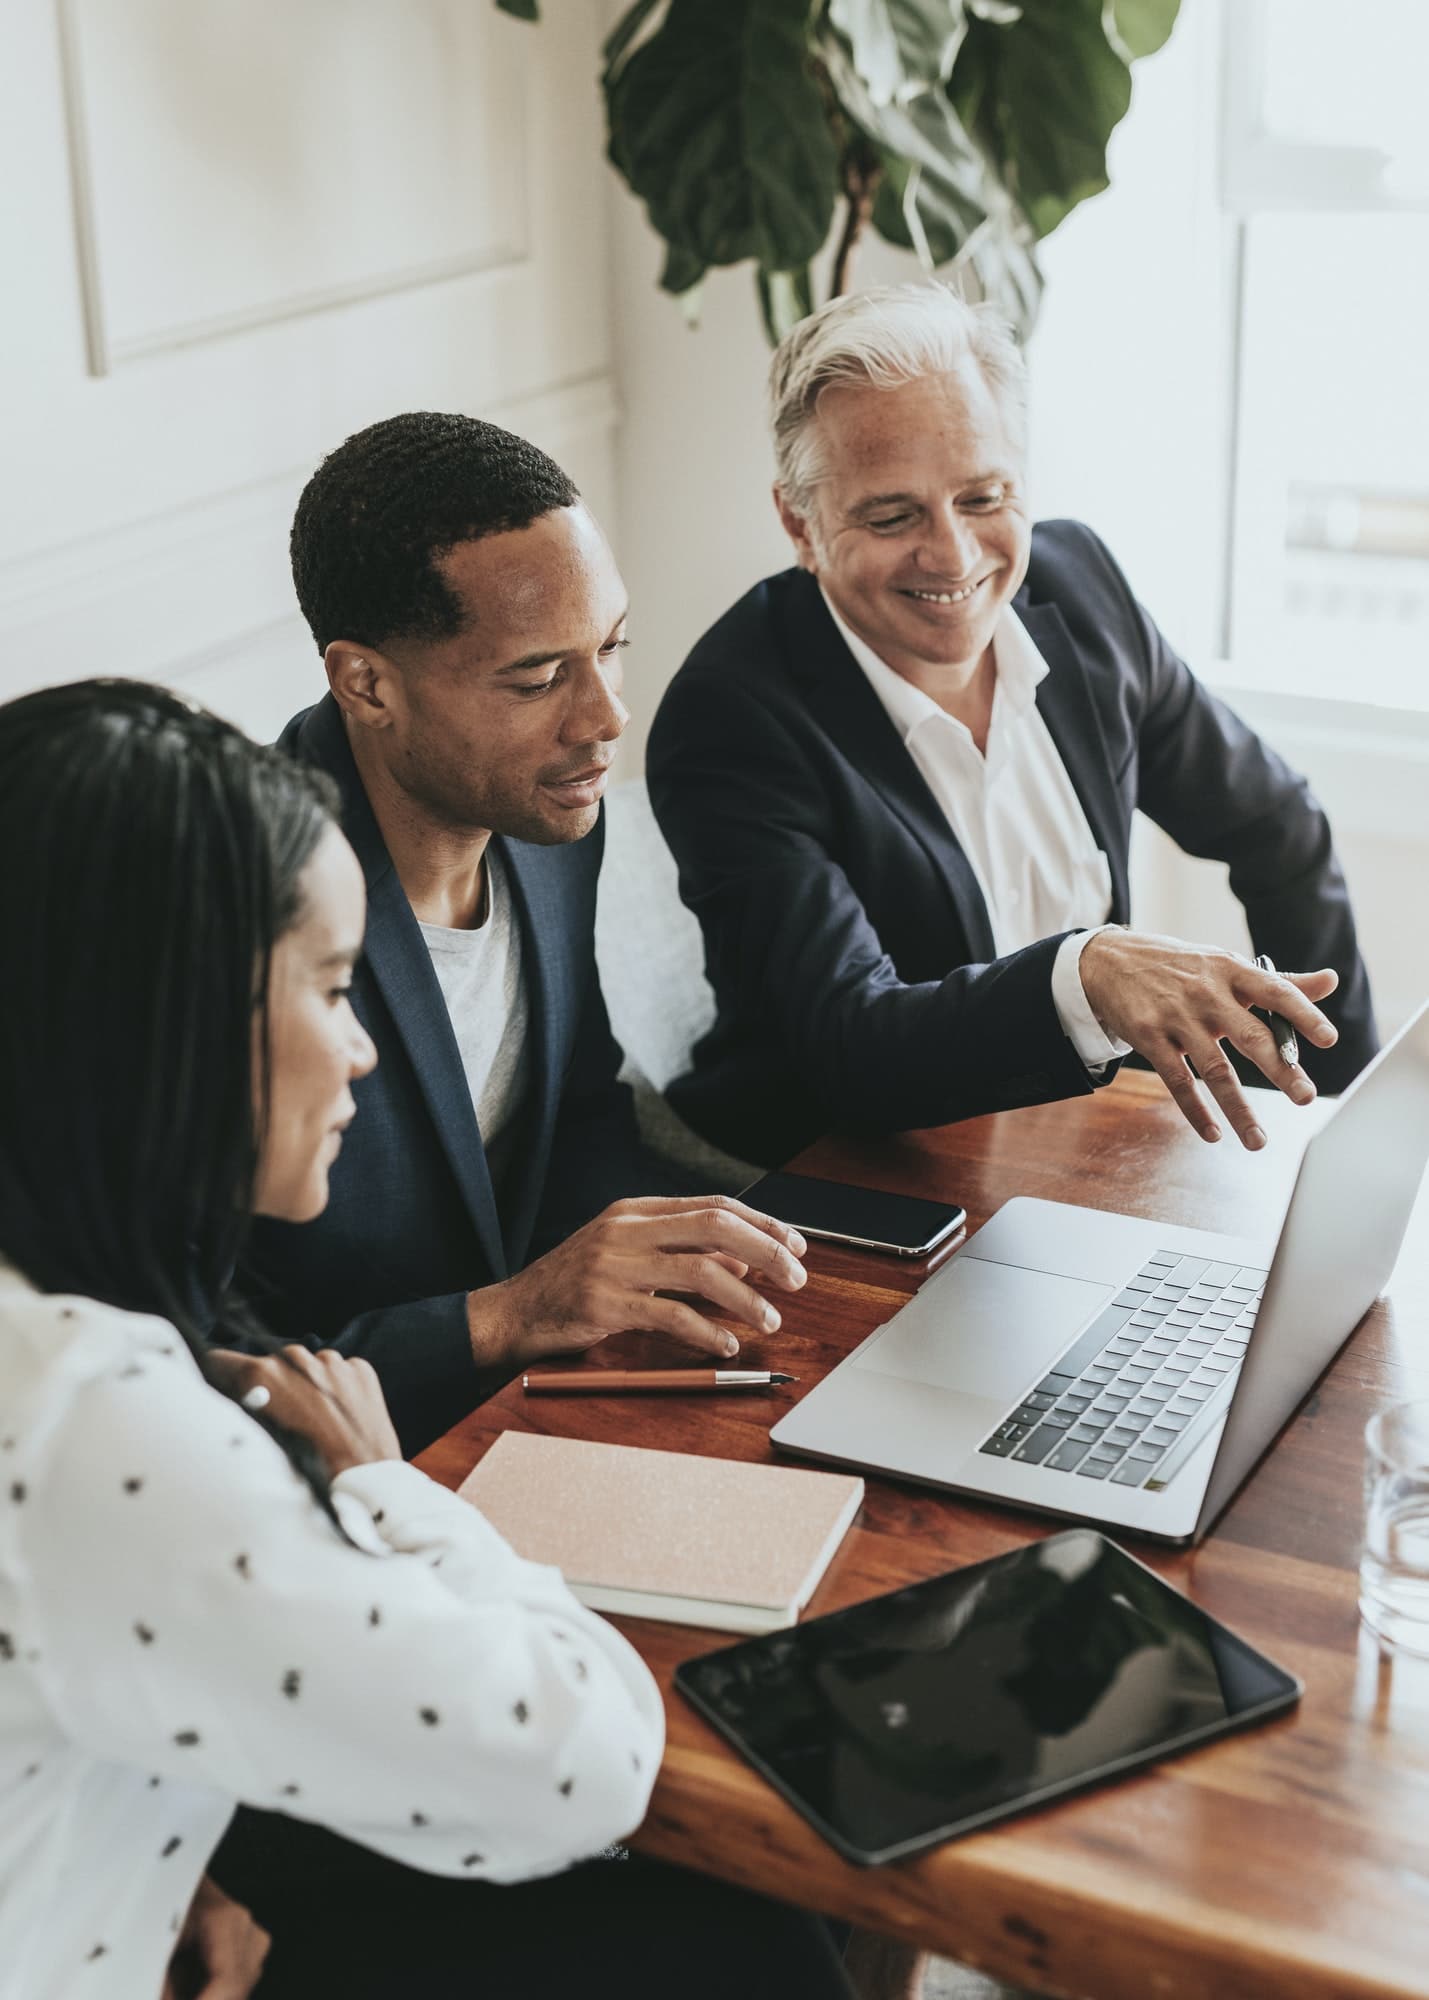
(1394,1566)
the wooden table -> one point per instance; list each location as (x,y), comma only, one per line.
(1292,1861)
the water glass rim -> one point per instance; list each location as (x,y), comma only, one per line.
(1376,1441)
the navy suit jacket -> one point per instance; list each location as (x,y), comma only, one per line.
(845,934)
(412,1221)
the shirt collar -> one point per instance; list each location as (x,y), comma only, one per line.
(1020,668)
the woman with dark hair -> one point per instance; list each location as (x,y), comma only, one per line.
(182,1622)
(218,1580)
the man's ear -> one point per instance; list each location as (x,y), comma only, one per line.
(796,527)
(363,683)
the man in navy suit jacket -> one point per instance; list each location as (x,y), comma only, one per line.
(471,620)
(899,782)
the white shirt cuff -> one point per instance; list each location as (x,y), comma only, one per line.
(1079,1024)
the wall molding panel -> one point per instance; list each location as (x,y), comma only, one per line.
(201,594)
(244,230)
(372,187)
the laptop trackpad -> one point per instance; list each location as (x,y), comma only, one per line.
(984,1329)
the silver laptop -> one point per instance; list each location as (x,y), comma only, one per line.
(1129,1372)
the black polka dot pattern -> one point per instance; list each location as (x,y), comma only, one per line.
(178,1584)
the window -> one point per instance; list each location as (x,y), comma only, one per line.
(1326,172)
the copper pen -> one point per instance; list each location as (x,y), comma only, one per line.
(599,1380)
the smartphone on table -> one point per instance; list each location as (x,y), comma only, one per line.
(904,1225)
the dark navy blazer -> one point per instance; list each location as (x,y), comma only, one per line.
(845,934)
(412,1221)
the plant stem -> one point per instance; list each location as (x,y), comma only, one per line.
(862,171)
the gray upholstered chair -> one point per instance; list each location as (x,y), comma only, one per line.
(651,960)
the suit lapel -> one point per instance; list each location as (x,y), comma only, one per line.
(840,699)
(1064,701)
(401,968)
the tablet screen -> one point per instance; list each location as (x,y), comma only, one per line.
(960,1700)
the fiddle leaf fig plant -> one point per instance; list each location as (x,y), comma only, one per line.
(963,130)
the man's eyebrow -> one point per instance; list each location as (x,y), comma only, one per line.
(883,500)
(529,661)
(348,956)
(995,476)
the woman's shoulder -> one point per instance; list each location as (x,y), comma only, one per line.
(56,1329)
(56,1345)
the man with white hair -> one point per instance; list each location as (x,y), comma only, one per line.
(899,781)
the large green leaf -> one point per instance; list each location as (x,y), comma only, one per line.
(524,10)
(928,203)
(1140,27)
(898,45)
(1043,94)
(937,194)
(682,271)
(624,32)
(718,125)
(935,184)
(924,132)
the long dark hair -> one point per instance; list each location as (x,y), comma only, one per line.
(150,858)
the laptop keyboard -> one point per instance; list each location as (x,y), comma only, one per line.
(1118,1402)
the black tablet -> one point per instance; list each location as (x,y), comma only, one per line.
(943,1707)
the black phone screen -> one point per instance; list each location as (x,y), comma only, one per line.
(900,1222)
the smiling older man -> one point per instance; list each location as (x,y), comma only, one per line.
(899,782)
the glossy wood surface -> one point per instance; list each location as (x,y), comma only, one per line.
(1291,1861)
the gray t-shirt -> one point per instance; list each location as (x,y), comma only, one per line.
(480,974)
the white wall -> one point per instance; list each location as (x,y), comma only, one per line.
(233,234)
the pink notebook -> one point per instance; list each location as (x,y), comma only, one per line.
(663,1534)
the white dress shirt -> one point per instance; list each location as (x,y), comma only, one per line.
(1015,814)
(182,1627)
